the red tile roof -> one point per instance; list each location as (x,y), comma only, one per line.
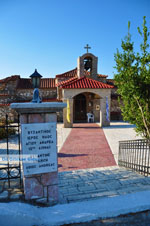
(69,74)
(98,75)
(85,83)
(24,83)
(46,83)
(86,73)
(73,73)
(4,94)
(1,105)
(66,81)
(11,78)
(111,82)
(102,76)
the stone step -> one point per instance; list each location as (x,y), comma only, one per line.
(80,185)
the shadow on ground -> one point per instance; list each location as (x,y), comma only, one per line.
(63,155)
(120,126)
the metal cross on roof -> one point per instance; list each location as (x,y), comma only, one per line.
(87,47)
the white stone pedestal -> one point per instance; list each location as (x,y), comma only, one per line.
(40,186)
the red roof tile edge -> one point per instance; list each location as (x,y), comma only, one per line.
(66,81)
(85,82)
(11,78)
(71,73)
(46,83)
(4,94)
(102,76)
(4,104)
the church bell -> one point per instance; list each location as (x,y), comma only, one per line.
(88,64)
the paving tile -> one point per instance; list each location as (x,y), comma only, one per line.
(126,190)
(93,188)
(79,197)
(101,185)
(114,185)
(87,188)
(4,195)
(89,171)
(85,148)
(105,194)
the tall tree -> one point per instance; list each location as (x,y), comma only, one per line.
(133,81)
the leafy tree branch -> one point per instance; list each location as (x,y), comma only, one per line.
(133,80)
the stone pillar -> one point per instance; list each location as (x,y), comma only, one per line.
(42,187)
(68,124)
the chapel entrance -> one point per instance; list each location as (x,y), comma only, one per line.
(85,103)
(80,108)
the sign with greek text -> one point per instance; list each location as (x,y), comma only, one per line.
(39,143)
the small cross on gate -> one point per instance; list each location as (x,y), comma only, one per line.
(87,47)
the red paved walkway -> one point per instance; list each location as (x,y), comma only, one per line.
(85,147)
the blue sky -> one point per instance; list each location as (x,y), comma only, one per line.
(50,34)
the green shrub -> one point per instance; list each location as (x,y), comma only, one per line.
(3,132)
(2,121)
(3,129)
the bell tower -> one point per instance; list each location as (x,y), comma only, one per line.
(87,65)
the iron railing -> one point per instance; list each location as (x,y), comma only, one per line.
(135,154)
(10,171)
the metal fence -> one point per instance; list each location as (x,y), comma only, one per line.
(10,164)
(135,154)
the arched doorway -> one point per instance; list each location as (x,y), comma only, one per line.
(84,103)
(80,108)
